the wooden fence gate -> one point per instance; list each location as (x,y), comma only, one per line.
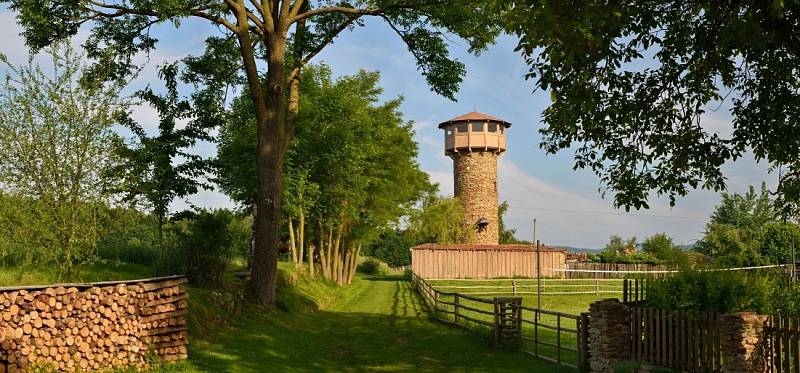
(507,320)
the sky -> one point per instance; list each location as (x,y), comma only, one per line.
(567,205)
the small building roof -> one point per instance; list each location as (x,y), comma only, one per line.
(478,247)
(474,116)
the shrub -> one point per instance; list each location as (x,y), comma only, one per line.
(777,240)
(715,291)
(129,236)
(392,248)
(370,266)
(206,242)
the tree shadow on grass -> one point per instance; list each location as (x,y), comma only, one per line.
(397,336)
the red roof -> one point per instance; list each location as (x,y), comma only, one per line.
(474,116)
(478,247)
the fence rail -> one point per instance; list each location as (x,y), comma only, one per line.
(529,286)
(581,270)
(554,336)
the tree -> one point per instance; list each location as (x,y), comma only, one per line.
(55,143)
(631,81)
(284,35)
(439,221)
(159,168)
(617,246)
(657,244)
(392,247)
(350,171)
(730,247)
(750,211)
(506,235)
(662,248)
(777,242)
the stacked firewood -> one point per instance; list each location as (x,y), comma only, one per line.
(92,326)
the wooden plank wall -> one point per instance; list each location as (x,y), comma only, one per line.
(456,264)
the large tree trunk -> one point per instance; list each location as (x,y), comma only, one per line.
(272,145)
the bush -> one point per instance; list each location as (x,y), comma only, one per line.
(715,291)
(128,236)
(370,266)
(612,257)
(777,240)
(206,242)
(392,248)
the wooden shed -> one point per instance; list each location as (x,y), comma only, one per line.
(433,261)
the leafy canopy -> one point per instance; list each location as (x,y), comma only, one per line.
(631,81)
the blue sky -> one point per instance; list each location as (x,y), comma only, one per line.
(566,203)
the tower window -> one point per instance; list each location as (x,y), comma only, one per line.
(461,127)
(449,132)
(477,127)
(492,127)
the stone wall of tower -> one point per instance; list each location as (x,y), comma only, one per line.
(475,175)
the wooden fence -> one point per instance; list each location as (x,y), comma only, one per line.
(549,286)
(676,339)
(563,340)
(614,270)
(691,341)
(783,344)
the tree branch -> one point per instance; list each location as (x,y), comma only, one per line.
(304,60)
(366,11)
(338,9)
(121,10)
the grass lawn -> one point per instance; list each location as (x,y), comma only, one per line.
(376,324)
(573,304)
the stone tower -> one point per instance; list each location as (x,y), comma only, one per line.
(474,141)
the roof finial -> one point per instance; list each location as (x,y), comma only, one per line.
(474,107)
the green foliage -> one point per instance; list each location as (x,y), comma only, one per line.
(662,248)
(618,247)
(353,159)
(206,242)
(715,291)
(391,247)
(730,247)
(127,235)
(777,242)
(370,266)
(506,235)
(439,221)
(750,211)
(612,257)
(631,82)
(159,168)
(744,231)
(55,142)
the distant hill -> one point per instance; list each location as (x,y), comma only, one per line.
(576,249)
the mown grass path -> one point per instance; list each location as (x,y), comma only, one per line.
(377,324)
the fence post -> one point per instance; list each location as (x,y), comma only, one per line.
(583,343)
(625,290)
(514,287)
(496,322)
(536,333)
(456,307)
(435,309)
(558,339)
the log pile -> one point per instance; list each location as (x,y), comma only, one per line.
(85,327)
